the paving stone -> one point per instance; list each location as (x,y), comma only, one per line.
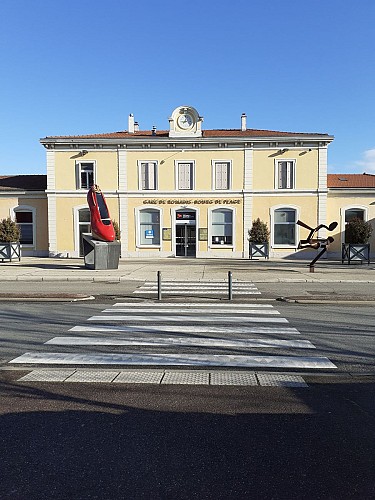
(279,380)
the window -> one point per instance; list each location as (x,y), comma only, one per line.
(284,226)
(149,224)
(84,226)
(352,213)
(185,175)
(285,174)
(25,221)
(222,227)
(222,175)
(85,174)
(147,178)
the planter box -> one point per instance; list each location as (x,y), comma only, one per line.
(257,250)
(10,250)
(355,252)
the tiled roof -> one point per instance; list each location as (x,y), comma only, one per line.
(23,182)
(205,133)
(351,181)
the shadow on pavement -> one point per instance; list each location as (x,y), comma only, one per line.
(81,441)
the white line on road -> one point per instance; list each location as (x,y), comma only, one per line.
(188,329)
(183,310)
(203,305)
(183,341)
(182,319)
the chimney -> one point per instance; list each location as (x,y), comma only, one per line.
(136,127)
(154,130)
(131,124)
(243,122)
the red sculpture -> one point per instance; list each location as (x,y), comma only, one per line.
(101,223)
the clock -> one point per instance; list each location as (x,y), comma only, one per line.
(185,121)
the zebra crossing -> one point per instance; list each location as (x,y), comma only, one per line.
(146,341)
(203,288)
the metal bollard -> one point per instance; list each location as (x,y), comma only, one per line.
(159,285)
(230,291)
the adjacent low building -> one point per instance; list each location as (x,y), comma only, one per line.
(191,192)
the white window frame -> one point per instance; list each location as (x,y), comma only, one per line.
(342,217)
(192,175)
(79,170)
(290,167)
(138,211)
(26,208)
(215,163)
(76,223)
(272,225)
(140,180)
(219,245)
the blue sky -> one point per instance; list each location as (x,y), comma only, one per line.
(81,66)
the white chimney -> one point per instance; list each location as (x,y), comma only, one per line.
(131,124)
(136,127)
(243,122)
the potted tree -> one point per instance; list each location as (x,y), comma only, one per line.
(356,246)
(259,236)
(10,234)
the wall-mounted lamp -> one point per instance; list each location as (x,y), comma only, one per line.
(174,154)
(84,152)
(304,152)
(282,151)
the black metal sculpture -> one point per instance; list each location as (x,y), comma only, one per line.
(316,243)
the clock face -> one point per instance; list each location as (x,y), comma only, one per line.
(185,121)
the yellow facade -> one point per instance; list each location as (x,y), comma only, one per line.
(201,188)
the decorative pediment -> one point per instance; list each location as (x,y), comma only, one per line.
(185,122)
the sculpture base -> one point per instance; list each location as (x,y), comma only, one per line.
(100,254)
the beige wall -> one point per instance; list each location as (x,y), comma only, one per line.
(106,169)
(306,168)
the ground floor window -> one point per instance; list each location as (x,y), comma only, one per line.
(149,227)
(25,221)
(222,227)
(84,226)
(353,213)
(284,227)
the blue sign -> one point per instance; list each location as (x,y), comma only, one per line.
(149,233)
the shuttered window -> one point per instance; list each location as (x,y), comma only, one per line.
(222,175)
(285,173)
(185,176)
(148,175)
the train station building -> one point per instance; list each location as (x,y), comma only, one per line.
(187,191)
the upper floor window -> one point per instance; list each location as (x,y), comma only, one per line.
(25,221)
(185,175)
(222,227)
(85,174)
(222,174)
(147,175)
(284,230)
(285,174)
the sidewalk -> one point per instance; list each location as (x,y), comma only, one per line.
(33,269)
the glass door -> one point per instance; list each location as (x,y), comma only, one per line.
(185,240)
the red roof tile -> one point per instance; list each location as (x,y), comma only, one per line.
(351,181)
(205,133)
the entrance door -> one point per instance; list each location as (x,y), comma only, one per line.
(185,240)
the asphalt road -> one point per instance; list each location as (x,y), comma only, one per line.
(108,441)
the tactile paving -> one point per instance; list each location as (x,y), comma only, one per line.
(191,378)
(276,380)
(233,378)
(47,375)
(93,376)
(133,377)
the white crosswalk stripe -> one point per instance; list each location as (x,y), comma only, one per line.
(197,288)
(160,327)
